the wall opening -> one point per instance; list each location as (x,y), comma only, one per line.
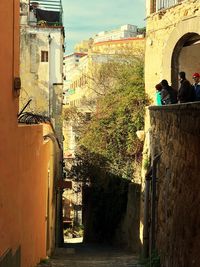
(185,57)
(72,205)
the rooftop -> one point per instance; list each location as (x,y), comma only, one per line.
(120,40)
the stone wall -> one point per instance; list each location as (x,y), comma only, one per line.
(175,131)
(127,234)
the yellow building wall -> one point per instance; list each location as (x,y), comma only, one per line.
(126,46)
(24,158)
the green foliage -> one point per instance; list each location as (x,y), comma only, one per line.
(110,136)
(75,230)
(44,261)
(142,30)
(152,261)
(120,113)
(146,163)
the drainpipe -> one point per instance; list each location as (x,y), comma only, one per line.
(50,92)
(57,176)
(59,209)
(153,203)
(146,215)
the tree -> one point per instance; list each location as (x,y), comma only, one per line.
(108,141)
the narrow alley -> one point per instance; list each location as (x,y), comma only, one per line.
(81,255)
(100,133)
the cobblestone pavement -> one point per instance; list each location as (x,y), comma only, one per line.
(91,256)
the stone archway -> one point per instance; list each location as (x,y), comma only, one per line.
(185,34)
(185,57)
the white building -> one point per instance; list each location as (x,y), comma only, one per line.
(125,31)
(75,66)
(41,59)
(71,63)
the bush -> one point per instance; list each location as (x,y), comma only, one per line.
(152,261)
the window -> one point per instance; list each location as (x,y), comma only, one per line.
(88,116)
(157,5)
(162,4)
(44,56)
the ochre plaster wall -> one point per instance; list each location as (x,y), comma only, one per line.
(23,194)
(175,131)
(33,183)
(24,157)
(164,30)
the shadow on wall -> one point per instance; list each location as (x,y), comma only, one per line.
(10,259)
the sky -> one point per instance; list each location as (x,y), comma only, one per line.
(84,18)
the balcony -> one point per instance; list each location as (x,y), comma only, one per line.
(45,13)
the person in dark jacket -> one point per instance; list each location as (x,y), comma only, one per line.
(172,94)
(186,92)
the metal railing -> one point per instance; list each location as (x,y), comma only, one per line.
(51,5)
(163,4)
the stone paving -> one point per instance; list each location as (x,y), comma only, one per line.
(91,256)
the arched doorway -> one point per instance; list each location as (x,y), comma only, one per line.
(185,57)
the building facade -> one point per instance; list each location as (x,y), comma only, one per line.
(71,63)
(126,46)
(84,46)
(41,59)
(172,42)
(125,31)
(172,45)
(76,66)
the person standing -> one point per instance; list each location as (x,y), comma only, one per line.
(186,92)
(196,85)
(172,94)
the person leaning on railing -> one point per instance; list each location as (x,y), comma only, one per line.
(168,94)
(186,92)
(158,94)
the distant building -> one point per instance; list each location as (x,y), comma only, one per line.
(71,71)
(84,46)
(74,91)
(124,32)
(134,45)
